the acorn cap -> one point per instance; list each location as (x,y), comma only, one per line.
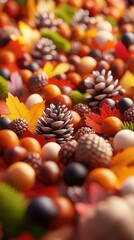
(94,151)
(37,82)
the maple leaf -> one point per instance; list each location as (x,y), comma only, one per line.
(95,121)
(18,109)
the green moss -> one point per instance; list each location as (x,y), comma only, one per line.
(3,88)
(61,43)
(12,210)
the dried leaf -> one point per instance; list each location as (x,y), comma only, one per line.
(15,84)
(106,111)
(48,68)
(19,110)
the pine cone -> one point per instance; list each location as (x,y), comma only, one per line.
(93,151)
(47,20)
(34,160)
(18,125)
(82,109)
(55,123)
(37,82)
(44,49)
(81,131)
(129,114)
(103,86)
(82,19)
(67,152)
(128,16)
(76,194)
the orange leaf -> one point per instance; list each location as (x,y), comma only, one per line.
(94,121)
(16,47)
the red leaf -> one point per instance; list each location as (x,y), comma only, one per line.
(96,193)
(16,47)
(94,121)
(23,236)
(61,82)
(121,51)
(41,190)
(39,138)
(106,111)
(3,108)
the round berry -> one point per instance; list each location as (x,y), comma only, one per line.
(4,122)
(8,139)
(32,66)
(128,39)
(124,103)
(111,125)
(96,54)
(75,174)
(51,91)
(110,102)
(31,144)
(5,73)
(42,210)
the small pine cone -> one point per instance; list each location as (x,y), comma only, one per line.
(44,49)
(82,109)
(76,194)
(55,123)
(18,125)
(67,152)
(82,19)
(102,86)
(129,114)
(47,20)
(37,82)
(81,131)
(93,151)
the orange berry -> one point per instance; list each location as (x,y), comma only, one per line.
(21,176)
(75,119)
(105,177)
(31,144)
(74,77)
(63,99)
(8,139)
(7,57)
(66,212)
(25,74)
(51,91)
(111,125)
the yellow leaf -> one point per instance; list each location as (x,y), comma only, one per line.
(35,112)
(29,35)
(123,158)
(16,108)
(31,8)
(19,110)
(52,71)
(127,81)
(48,68)
(60,68)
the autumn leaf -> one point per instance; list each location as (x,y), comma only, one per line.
(121,51)
(95,121)
(16,47)
(52,71)
(18,109)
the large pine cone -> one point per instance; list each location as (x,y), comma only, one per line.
(55,123)
(102,86)
(44,49)
(93,150)
(82,19)
(47,20)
